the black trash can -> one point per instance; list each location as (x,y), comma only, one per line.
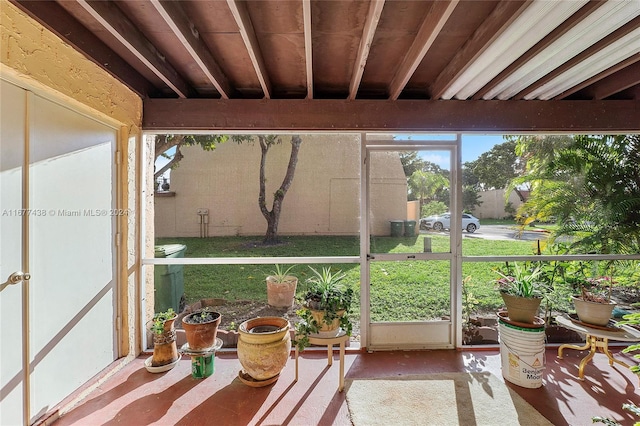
(409,228)
(396,227)
(169,279)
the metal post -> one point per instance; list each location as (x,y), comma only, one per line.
(427,244)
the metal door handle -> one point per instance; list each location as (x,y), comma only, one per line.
(16,277)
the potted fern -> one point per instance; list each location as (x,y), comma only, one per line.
(281,287)
(326,307)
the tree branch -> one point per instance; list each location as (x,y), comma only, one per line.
(176,159)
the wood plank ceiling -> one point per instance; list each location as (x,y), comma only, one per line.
(494,65)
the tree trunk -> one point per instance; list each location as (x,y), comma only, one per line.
(273,216)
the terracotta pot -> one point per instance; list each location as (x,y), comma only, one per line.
(593,312)
(201,336)
(229,338)
(264,345)
(281,294)
(521,309)
(165,350)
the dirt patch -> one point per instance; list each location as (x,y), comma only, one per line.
(235,312)
(626,295)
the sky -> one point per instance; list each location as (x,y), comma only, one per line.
(472,147)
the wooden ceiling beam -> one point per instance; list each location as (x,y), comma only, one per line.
(368,32)
(496,23)
(278,115)
(436,18)
(554,35)
(308,46)
(593,49)
(613,80)
(185,30)
(55,18)
(245,26)
(120,27)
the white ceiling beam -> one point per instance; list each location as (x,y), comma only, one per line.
(600,61)
(453,77)
(583,55)
(554,57)
(620,77)
(562,29)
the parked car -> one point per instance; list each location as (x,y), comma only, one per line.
(440,222)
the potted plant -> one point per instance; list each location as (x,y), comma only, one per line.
(326,307)
(165,351)
(522,290)
(201,328)
(594,304)
(281,287)
(264,346)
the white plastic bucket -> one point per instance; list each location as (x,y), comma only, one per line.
(523,354)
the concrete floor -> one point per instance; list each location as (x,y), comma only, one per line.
(133,396)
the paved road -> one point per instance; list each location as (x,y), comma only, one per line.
(501,232)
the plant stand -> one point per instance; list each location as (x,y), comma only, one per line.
(202,362)
(596,338)
(341,340)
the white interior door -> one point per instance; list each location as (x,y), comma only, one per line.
(72,301)
(411,275)
(12,137)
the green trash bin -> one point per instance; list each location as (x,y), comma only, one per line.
(396,228)
(169,279)
(409,228)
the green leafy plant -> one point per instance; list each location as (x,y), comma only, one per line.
(201,316)
(521,281)
(325,293)
(157,323)
(469,305)
(280,274)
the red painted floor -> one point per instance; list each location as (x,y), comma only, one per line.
(134,396)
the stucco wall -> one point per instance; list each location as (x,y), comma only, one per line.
(493,204)
(40,55)
(324,198)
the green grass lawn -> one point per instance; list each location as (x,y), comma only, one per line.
(408,290)
(412,290)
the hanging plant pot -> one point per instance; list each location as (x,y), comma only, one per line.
(595,313)
(201,329)
(521,309)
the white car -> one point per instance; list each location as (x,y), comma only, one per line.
(443,221)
